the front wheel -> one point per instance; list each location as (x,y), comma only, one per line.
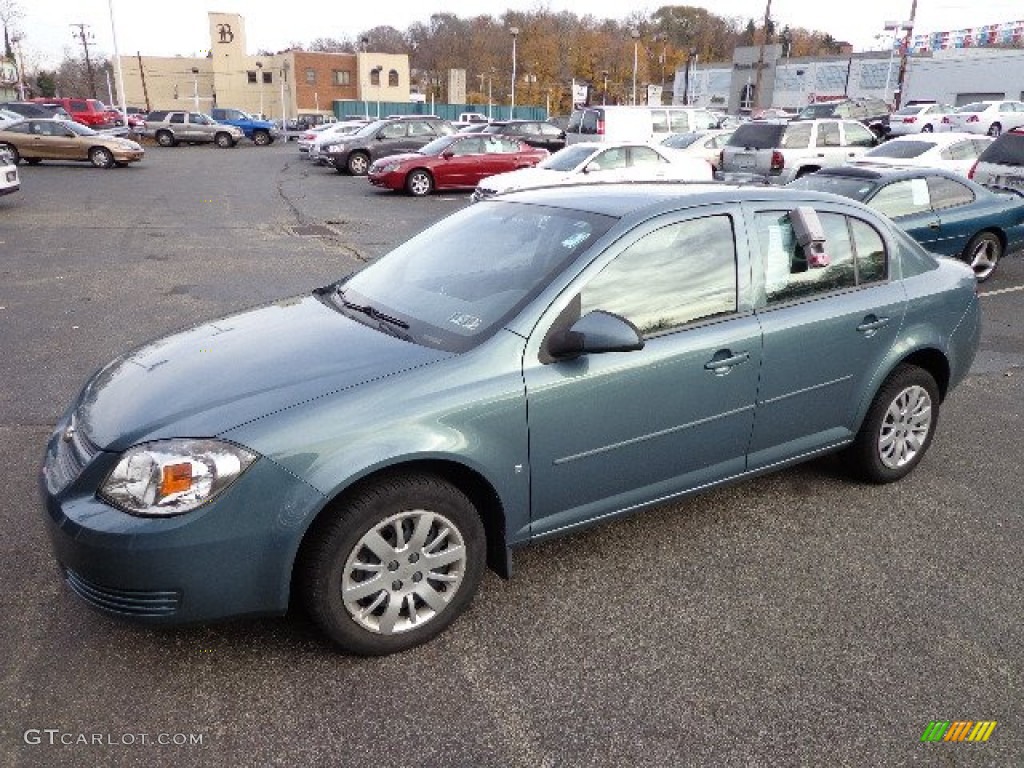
(224,140)
(395,567)
(983,254)
(358,164)
(261,138)
(899,426)
(101,157)
(419,183)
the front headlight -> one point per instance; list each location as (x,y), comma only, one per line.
(170,477)
(385,168)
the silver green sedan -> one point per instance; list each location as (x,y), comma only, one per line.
(526,367)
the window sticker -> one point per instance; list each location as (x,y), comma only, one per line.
(919,191)
(463,320)
(778,256)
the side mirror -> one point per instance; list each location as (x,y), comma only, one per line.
(591,168)
(447,154)
(595,333)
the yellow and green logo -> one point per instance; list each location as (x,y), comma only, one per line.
(958,730)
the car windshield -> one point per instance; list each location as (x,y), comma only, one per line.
(566,159)
(370,129)
(847,186)
(81,130)
(437,146)
(454,303)
(900,149)
(681,140)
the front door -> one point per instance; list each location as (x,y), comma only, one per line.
(612,431)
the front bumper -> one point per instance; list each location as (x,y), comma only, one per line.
(231,557)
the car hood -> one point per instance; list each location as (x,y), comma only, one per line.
(391,159)
(526,177)
(216,376)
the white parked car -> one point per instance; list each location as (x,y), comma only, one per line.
(7,117)
(9,181)
(918,118)
(309,136)
(600,162)
(991,117)
(955,152)
(706,144)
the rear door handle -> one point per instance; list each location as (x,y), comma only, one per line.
(872,325)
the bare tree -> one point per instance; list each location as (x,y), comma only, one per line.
(10,12)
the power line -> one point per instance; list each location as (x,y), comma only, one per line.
(86,38)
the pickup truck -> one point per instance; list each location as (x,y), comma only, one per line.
(261,132)
(170,128)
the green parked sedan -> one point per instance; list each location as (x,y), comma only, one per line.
(526,367)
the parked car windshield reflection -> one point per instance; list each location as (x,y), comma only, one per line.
(451,292)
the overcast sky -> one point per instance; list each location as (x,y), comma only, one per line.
(180,27)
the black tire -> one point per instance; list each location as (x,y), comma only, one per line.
(410,517)
(358,163)
(994,130)
(927,129)
(15,156)
(223,140)
(898,428)
(419,183)
(982,254)
(166,139)
(33,160)
(261,138)
(101,157)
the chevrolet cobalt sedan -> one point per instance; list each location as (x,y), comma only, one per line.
(370,447)
(36,139)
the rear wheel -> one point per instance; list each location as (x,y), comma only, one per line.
(983,254)
(101,157)
(165,139)
(395,566)
(995,129)
(418,183)
(899,426)
(927,129)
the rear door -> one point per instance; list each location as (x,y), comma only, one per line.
(827,330)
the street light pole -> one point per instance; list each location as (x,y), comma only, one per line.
(894,27)
(635,33)
(604,93)
(259,80)
(376,71)
(195,86)
(514,31)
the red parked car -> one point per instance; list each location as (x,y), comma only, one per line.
(91,112)
(453,162)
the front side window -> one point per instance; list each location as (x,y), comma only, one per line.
(858,136)
(675,275)
(902,198)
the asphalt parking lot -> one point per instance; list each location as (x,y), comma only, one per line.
(796,620)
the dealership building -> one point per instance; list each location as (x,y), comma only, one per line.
(278,85)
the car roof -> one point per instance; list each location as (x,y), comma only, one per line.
(877,172)
(621,199)
(940,138)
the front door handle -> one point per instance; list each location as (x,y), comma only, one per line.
(724,361)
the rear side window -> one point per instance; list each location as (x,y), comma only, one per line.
(759,135)
(797,136)
(1008,149)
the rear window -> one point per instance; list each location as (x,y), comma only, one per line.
(1008,149)
(758,135)
(901,149)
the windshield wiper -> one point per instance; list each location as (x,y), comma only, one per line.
(369,311)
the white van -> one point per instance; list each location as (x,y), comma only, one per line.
(648,124)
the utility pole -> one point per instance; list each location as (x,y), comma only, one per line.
(760,58)
(86,38)
(904,53)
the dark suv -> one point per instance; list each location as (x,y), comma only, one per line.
(355,152)
(874,113)
(536,133)
(1001,164)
